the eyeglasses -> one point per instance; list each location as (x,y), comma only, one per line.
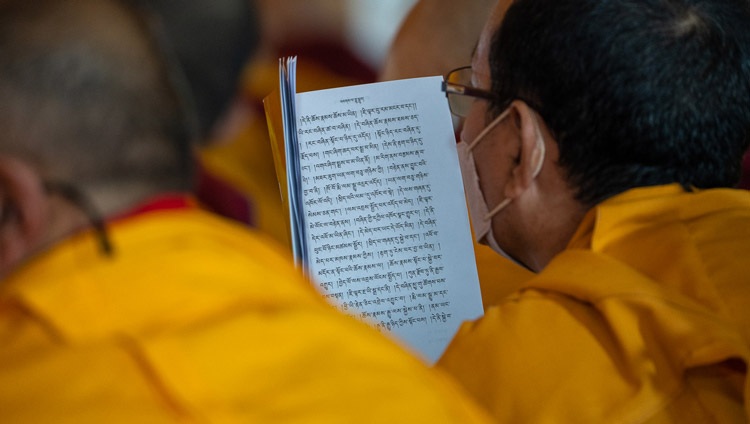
(79,199)
(460,93)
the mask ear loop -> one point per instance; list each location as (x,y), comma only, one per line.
(476,141)
(78,198)
(538,159)
(498,208)
(488,128)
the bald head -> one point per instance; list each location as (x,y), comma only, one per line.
(87,99)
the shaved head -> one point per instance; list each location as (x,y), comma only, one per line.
(87,98)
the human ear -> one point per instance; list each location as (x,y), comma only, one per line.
(22,211)
(531,149)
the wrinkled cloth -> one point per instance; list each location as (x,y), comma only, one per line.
(195,319)
(644,318)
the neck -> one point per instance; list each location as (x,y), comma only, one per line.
(554,236)
(110,201)
(540,224)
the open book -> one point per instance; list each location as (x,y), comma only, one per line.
(377,212)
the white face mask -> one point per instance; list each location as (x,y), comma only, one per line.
(481,215)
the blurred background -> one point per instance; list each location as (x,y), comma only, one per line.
(338,43)
(364,26)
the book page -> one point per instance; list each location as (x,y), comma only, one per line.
(388,237)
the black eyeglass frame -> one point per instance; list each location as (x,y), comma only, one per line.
(451,88)
(79,199)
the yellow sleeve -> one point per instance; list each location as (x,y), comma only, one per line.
(545,358)
(300,366)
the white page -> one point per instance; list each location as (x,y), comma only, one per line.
(388,231)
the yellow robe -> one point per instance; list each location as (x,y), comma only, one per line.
(644,318)
(195,319)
